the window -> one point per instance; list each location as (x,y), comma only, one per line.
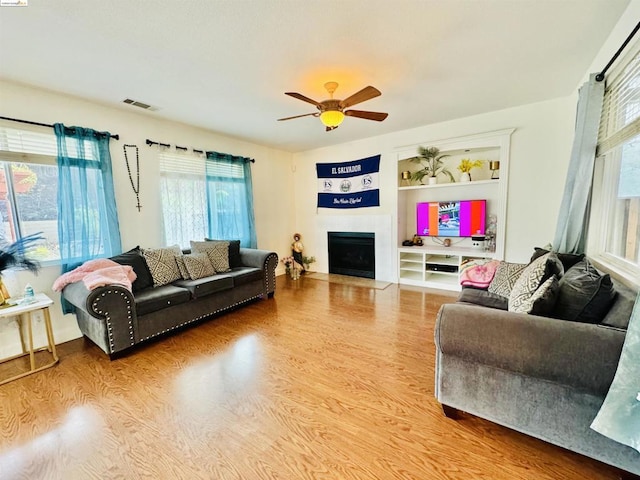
(206,198)
(615,221)
(230,199)
(28,189)
(183,195)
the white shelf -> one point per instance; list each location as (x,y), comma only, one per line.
(412,276)
(416,268)
(449,185)
(442,260)
(448,251)
(449,282)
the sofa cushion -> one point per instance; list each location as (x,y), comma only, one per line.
(505,278)
(585,295)
(218,253)
(620,312)
(135,260)
(206,285)
(534,275)
(484,298)
(153,299)
(198,265)
(234,251)
(543,299)
(162,265)
(568,260)
(242,275)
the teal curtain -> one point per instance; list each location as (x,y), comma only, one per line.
(230,199)
(87,214)
(571,229)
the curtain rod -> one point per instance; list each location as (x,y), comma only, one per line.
(28,122)
(178,147)
(600,76)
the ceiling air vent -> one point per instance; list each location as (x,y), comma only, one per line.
(135,103)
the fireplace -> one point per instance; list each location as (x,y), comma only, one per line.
(352,253)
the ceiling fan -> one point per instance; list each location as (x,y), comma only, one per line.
(332,111)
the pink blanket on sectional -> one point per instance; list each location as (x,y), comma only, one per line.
(97,273)
(479,276)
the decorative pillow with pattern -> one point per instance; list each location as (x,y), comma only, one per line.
(162,265)
(198,265)
(218,253)
(505,278)
(234,251)
(543,299)
(182,267)
(536,273)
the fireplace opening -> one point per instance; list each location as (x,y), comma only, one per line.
(352,253)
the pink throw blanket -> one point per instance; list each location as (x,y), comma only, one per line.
(97,273)
(479,276)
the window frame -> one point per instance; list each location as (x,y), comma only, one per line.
(30,157)
(606,178)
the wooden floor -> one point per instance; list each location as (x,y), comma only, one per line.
(325,381)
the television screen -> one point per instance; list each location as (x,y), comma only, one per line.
(462,218)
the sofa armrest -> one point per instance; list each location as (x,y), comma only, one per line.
(266,261)
(112,304)
(582,355)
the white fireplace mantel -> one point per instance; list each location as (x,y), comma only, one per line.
(380,225)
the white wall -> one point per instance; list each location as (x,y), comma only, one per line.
(627,22)
(272,178)
(540,150)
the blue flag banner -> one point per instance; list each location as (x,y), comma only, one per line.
(349,184)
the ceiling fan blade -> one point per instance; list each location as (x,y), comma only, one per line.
(299,96)
(377,116)
(367,93)
(299,116)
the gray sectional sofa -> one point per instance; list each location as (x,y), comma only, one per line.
(541,376)
(115,318)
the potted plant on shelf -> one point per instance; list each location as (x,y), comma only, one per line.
(466,164)
(431,160)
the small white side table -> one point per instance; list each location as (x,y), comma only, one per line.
(23,312)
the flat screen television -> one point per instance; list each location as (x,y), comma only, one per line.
(460,218)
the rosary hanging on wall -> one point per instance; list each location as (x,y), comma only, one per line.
(136,186)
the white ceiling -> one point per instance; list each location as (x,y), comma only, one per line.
(225,64)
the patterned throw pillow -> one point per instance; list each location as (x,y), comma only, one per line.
(531,278)
(218,253)
(182,267)
(543,299)
(505,278)
(234,251)
(162,265)
(198,265)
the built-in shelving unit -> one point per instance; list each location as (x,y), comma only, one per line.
(433,265)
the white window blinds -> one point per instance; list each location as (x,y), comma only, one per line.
(620,119)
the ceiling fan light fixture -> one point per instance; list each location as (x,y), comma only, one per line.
(331,118)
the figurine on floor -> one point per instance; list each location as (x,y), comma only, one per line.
(296,252)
